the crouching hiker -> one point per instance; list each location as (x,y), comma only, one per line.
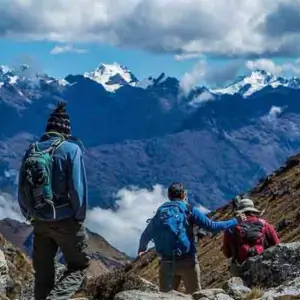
(53,196)
(249,238)
(171,229)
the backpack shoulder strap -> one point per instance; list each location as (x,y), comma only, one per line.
(54,146)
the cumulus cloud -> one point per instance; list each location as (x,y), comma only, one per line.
(203,97)
(9,208)
(190,79)
(256,28)
(186,56)
(277,69)
(274,113)
(267,65)
(122,227)
(67,49)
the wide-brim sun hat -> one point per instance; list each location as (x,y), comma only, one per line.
(245,205)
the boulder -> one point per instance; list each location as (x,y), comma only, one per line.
(149,286)
(275,266)
(236,288)
(142,295)
(4,276)
(290,288)
(211,294)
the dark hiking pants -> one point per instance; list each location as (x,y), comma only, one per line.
(70,236)
(172,272)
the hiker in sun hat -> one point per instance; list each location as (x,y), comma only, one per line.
(178,251)
(249,238)
(52,195)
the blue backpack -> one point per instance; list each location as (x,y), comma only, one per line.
(170,229)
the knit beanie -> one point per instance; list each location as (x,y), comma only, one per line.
(59,120)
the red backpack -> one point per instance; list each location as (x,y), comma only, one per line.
(250,239)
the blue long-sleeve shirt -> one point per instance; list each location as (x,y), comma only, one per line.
(197,218)
(69,182)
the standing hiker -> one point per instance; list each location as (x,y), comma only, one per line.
(249,238)
(53,196)
(171,229)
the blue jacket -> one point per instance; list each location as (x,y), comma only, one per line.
(72,189)
(197,218)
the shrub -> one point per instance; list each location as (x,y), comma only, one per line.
(106,286)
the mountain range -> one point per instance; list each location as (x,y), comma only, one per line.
(146,132)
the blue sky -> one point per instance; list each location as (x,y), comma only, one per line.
(214,45)
(141,63)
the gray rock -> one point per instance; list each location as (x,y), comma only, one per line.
(211,294)
(141,295)
(275,266)
(4,276)
(149,286)
(236,288)
(27,288)
(290,288)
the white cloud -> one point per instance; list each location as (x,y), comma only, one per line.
(67,49)
(9,208)
(186,56)
(275,111)
(123,227)
(267,65)
(190,79)
(203,97)
(217,28)
(273,114)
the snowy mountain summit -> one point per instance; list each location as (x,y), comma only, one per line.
(112,77)
(256,81)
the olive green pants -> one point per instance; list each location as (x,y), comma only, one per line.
(172,272)
(70,236)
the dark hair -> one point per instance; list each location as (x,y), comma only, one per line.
(176,190)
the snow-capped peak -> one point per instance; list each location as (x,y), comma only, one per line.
(255,81)
(112,76)
(4,69)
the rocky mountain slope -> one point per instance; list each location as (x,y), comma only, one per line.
(103,256)
(147,132)
(15,269)
(278,195)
